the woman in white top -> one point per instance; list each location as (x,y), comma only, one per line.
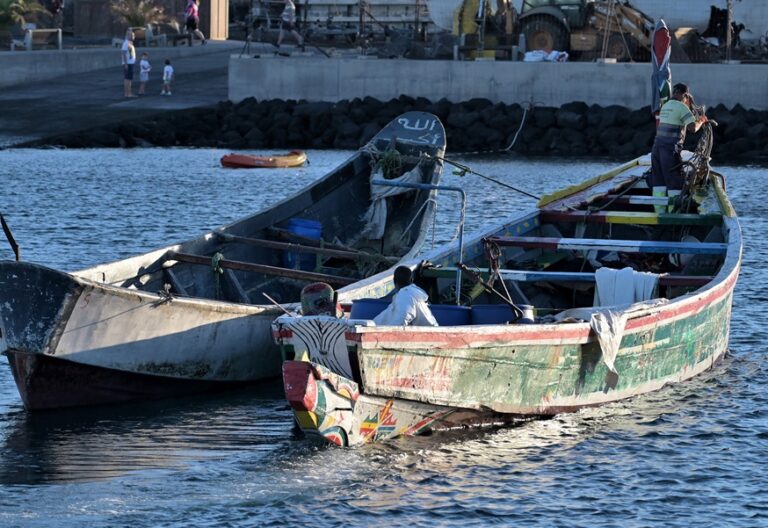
(288,23)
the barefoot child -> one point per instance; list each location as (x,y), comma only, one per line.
(144,69)
(167,77)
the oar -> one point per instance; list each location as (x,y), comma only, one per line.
(11,240)
(277,304)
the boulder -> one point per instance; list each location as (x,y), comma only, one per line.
(311,110)
(255,138)
(461,119)
(577,107)
(567,119)
(544,117)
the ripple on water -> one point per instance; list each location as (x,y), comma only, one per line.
(690,454)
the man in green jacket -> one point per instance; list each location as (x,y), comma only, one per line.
(675,119)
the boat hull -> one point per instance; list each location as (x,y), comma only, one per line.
(331,407)
(47,382)
(295,158)
(506,370)
(185,316)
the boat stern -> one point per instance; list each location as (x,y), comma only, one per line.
(322,402)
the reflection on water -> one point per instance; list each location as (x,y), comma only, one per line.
(689,454)
(104,442)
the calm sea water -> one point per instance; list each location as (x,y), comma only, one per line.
(689,455)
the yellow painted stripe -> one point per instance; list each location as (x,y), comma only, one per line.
(725,204)
(573,189)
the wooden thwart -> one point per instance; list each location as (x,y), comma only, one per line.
(624,217)
(638,200)
(563,276)
(626,246)
(301,248)
(261,268)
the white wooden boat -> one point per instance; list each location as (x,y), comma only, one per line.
(192,316)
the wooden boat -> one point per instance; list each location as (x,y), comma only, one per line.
(294,158)
(192,316)
(351,382)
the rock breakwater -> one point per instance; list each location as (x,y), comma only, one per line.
(477,125)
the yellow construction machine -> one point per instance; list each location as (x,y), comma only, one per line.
(587,28)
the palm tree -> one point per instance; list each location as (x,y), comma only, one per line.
(138,13)
(16,12)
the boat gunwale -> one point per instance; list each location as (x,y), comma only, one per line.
(720,286)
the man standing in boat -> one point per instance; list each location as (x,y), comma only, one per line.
(409,304)
(675,118)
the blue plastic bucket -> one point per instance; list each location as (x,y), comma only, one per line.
(483,314)
(306,228)
(451,315)
(368,308)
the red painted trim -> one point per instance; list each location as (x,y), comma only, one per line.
(526,335)
(283,333)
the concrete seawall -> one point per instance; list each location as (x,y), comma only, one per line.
(22,67)
(548,84)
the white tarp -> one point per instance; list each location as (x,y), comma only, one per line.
(618,293)
(623,287)
(442,12)
(375,217)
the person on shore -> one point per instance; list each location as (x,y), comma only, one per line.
(409,304)
(144,68)
(675,118)
(192,14)
(288,23)
(167,77)
(128,55)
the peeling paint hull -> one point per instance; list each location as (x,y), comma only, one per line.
(167,322)
(47,382)
(362,383)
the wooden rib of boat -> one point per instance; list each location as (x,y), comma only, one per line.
(192,316)
(294,158)
(352,382)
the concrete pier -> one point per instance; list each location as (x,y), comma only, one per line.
(315,78)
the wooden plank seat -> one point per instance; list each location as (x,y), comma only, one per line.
(562,276)
(350,254)
(261,268)
(624,217)
(638,200)
(626,246)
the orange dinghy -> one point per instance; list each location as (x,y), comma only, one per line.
(294,158)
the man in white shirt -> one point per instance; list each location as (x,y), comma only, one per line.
(409,304)
(128,55)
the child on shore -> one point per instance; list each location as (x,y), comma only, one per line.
(167,77)
(144,69)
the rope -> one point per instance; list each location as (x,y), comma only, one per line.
(527,107)
(217,271)
(415,216)
(463,169)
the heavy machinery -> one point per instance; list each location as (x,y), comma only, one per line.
(588,28)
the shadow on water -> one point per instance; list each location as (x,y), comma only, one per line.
(81,444)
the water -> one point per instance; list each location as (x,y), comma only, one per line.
(692,454)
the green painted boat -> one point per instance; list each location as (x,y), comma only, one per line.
(593,297)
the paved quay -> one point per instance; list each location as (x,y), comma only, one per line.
(32,111)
